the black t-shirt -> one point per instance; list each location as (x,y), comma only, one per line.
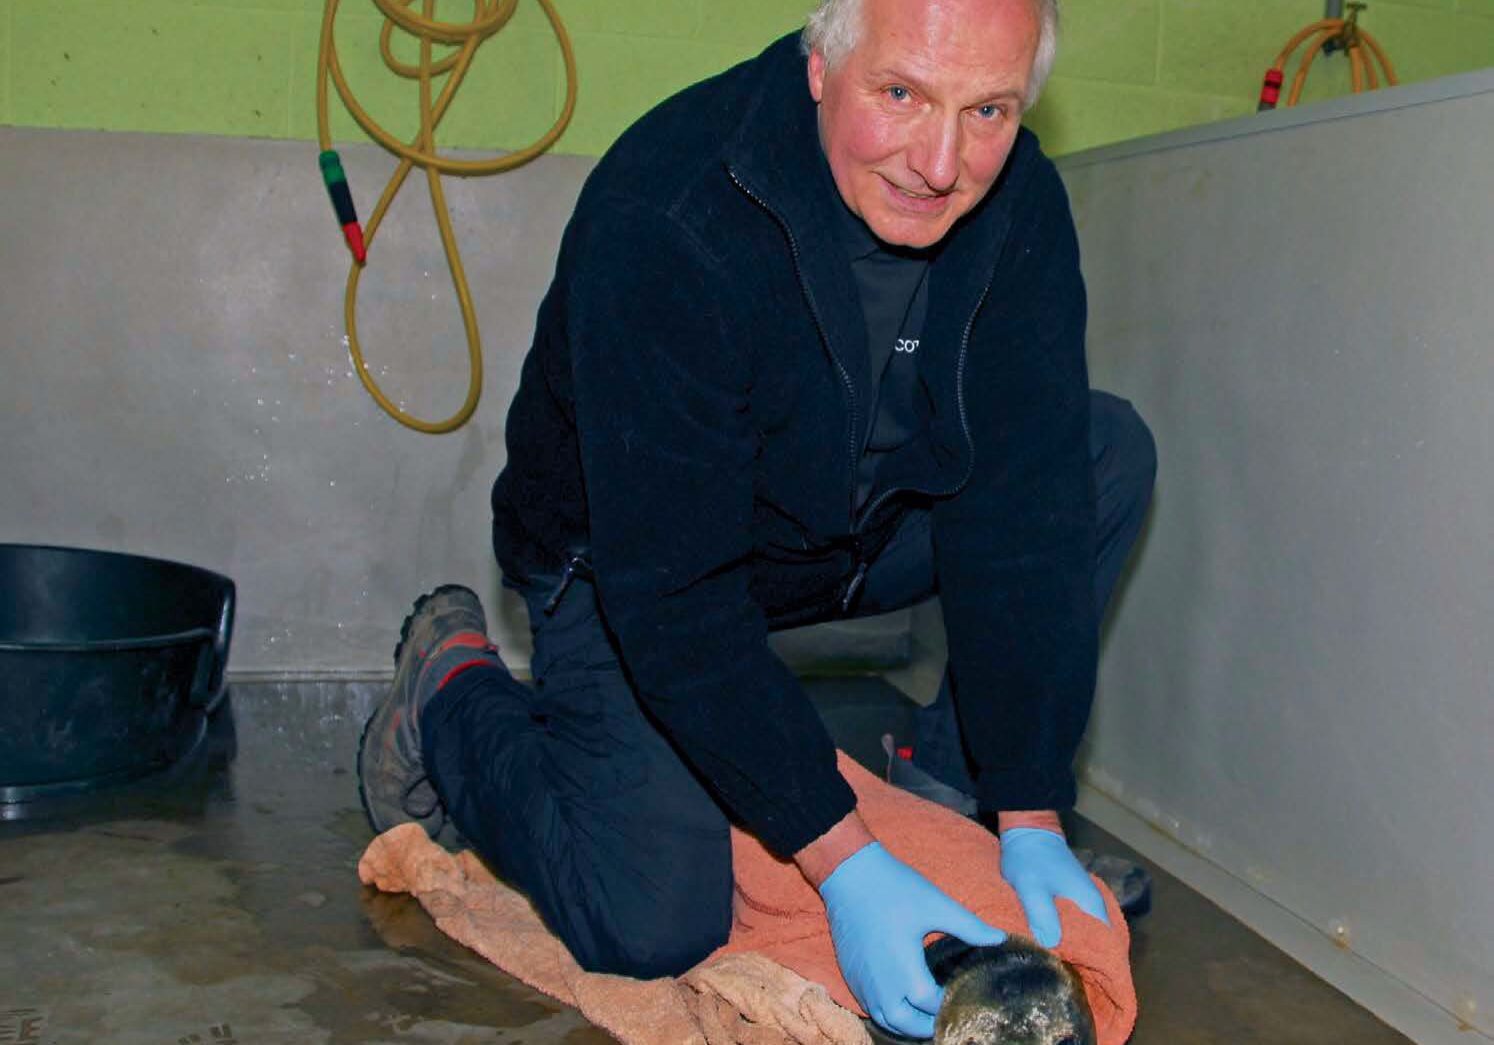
(893,284)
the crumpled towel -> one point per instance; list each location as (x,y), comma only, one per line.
(775,981)
(733,999)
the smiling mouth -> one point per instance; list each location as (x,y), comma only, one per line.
(922,203)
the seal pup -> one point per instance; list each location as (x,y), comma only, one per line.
(1015,993)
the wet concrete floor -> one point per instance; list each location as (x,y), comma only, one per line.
(218,904)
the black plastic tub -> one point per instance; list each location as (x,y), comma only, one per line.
(109,665)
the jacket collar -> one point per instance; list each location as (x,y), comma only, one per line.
(775,150)
(775,157)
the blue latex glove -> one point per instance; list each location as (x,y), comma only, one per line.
(1040,867)
(880,910)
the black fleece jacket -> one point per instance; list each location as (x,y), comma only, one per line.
(690,414)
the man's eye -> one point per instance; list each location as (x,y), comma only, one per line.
(898,94)
(989,112)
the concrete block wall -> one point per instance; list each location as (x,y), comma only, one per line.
(247,67)
(1139,67)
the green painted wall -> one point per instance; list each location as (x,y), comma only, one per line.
(1127,68)
(246,67)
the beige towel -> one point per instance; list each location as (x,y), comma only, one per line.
(775,982)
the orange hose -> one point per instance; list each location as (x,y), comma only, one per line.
(1300,80)
(1379,52)
(1363,51)
(1371,77)
(1335,24)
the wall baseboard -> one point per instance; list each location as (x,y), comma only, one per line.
(257,676)
(1397,1004)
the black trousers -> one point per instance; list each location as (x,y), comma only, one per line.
(571,794)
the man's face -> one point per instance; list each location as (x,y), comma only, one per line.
(918,119)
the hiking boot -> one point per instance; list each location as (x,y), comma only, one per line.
(1129,881)
(445,630)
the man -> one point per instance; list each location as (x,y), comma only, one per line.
(811,351)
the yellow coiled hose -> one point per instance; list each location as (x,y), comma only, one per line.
(489,16)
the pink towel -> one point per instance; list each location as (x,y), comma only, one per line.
(775,981)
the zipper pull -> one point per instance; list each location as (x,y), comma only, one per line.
(853,587)
(575,566)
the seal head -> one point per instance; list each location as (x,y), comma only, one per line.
(1015,993)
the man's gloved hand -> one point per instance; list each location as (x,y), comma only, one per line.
(880,910)
(1040,867)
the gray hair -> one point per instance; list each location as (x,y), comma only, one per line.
(834,27)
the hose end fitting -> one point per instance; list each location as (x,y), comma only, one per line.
(1270,90)
(352,233)
(342,203)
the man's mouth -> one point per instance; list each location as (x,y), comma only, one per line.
(918,202)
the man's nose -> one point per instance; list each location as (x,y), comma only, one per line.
(935,152)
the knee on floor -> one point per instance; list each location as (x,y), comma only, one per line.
(661,949)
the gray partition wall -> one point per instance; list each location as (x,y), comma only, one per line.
(1298,684)
(177,382)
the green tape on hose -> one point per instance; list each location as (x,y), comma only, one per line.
(331,165)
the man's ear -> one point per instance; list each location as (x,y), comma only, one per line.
(816,74)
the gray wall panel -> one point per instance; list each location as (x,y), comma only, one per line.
(1299,680)
(176,381)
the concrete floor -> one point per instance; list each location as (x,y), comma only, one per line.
(218,904)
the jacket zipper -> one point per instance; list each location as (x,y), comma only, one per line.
(964,420)
(859,575)
(819,325)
